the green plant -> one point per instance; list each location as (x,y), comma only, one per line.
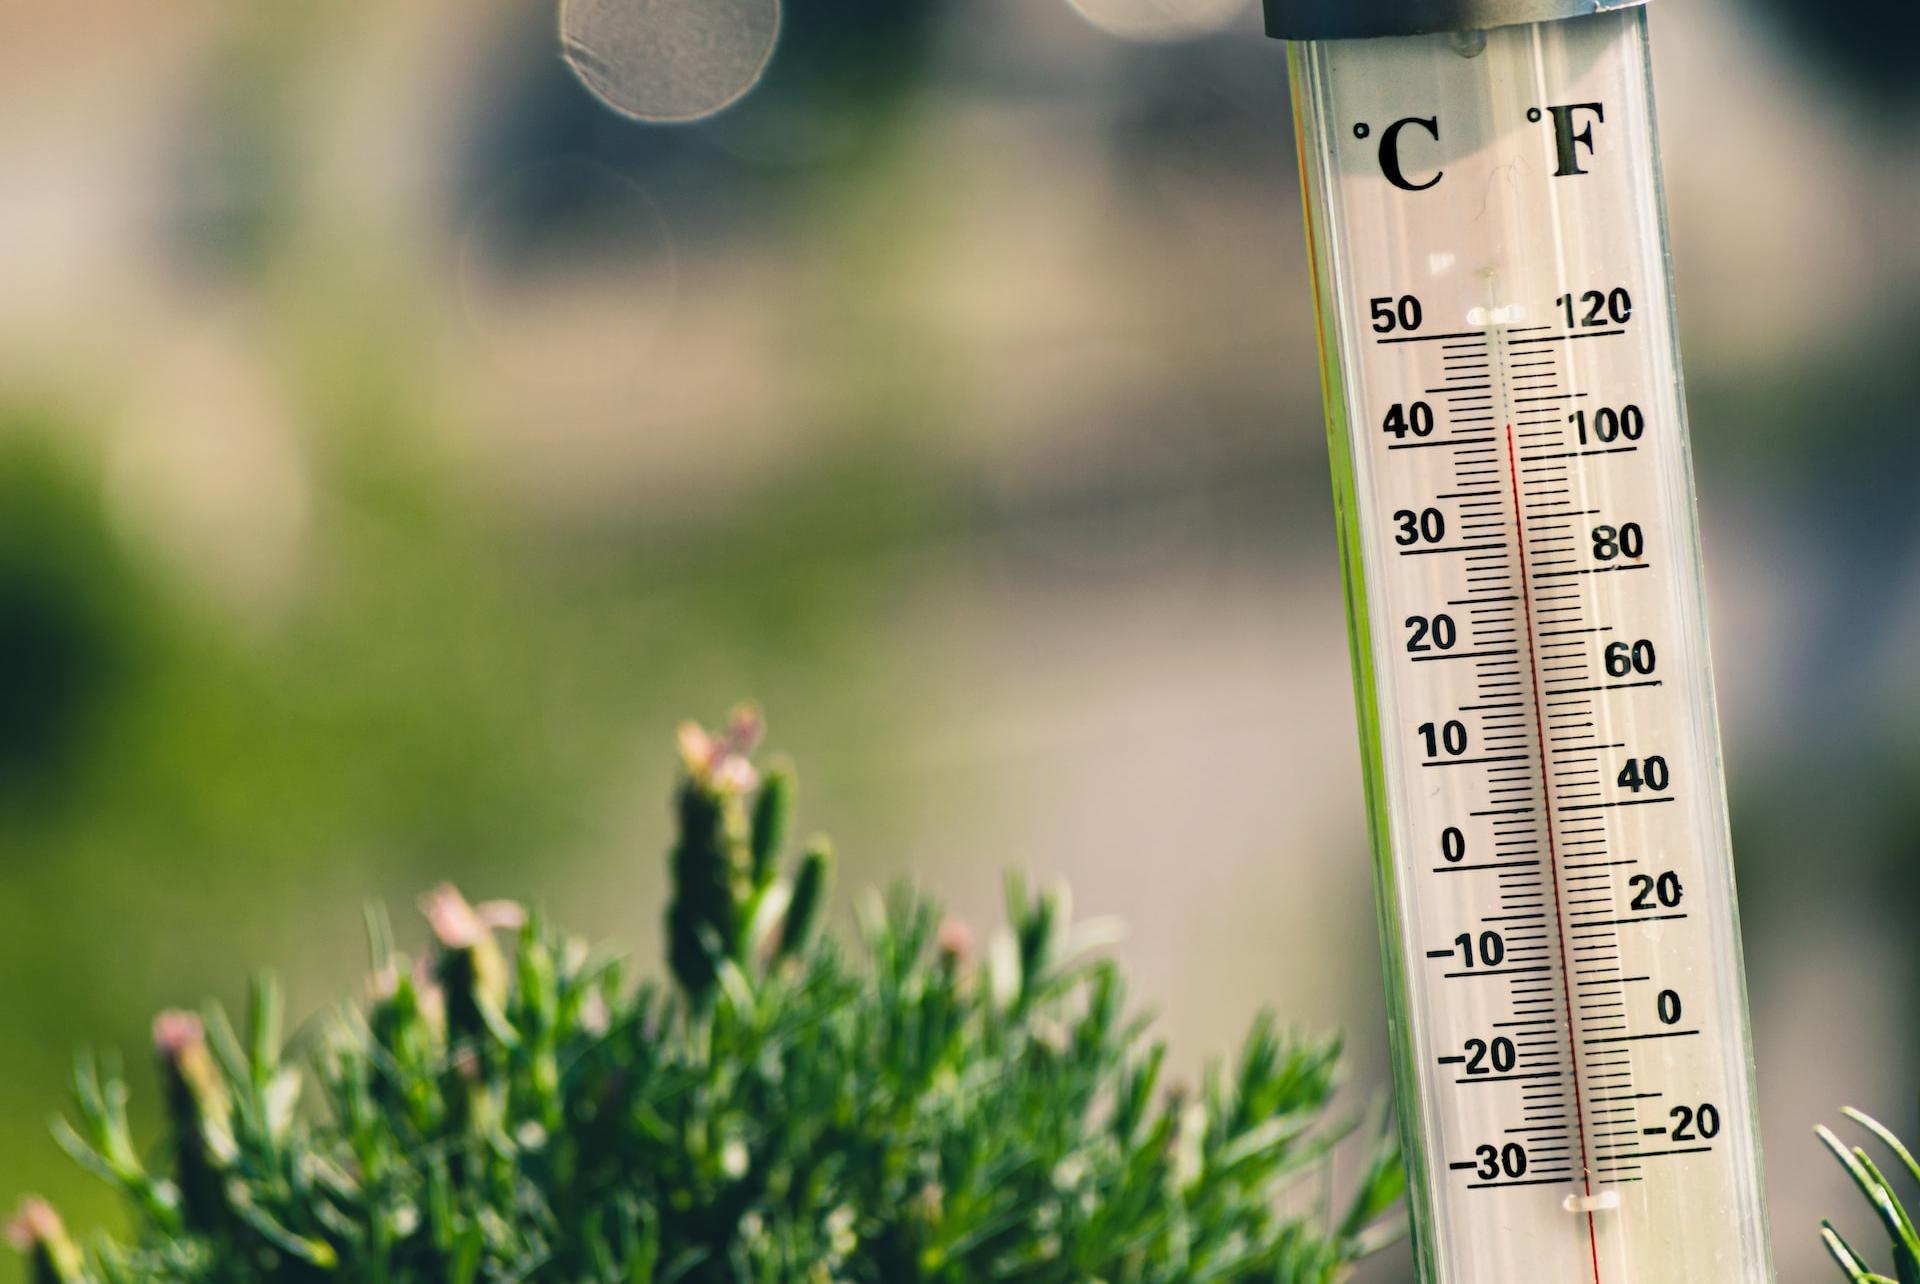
(1885,1202)
(776,1112)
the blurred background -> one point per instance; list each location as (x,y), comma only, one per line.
(395,442)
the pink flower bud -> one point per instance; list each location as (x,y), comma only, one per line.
(36,1223)
(176,1033)
(955,942)
(453,921)
(723,763)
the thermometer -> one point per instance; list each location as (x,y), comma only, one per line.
(1524,596)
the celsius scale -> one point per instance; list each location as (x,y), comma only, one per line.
(1524,596)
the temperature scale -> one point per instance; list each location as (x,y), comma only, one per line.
(1516,510)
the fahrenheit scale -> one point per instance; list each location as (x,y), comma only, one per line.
(1523,577)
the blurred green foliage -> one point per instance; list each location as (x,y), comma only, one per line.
(72,619)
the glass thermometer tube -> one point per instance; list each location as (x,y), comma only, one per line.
(1542,757)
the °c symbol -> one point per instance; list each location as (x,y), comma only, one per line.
(1390,165)
(1362,130)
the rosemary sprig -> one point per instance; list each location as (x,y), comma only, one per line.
(780,1109)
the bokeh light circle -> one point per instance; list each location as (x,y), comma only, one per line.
(669,60)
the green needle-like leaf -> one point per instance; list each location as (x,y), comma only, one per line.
(1887,1139)
(1904,1240)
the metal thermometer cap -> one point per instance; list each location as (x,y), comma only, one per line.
(1345,19)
